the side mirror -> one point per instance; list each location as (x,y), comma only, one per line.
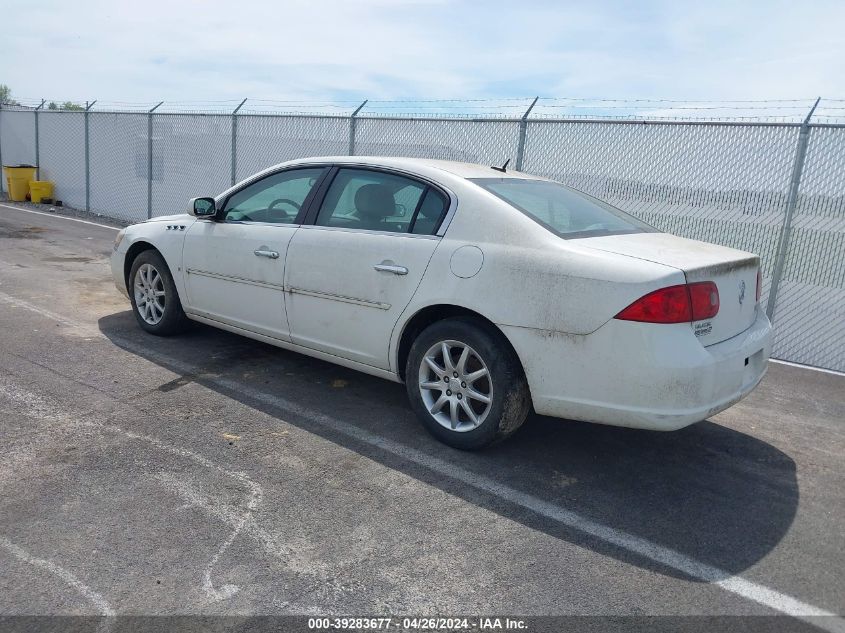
(202,207)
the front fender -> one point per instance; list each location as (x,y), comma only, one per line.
(167,236)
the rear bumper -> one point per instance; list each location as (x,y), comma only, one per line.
(639,375)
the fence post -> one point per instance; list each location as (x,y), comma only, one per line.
(352,128)
(791,203)
(523,127)
(235,140)
(37,157)
(88,107)
(150,159)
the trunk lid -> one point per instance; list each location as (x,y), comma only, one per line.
(733,271)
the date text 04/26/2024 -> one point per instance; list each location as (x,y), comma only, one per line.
(417,623)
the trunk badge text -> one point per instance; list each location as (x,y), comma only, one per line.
(741,291)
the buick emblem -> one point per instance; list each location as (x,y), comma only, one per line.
(741,291)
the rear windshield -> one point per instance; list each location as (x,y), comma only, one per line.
(562,210)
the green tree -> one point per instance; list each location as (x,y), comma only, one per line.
(70,105)
(6,95)
(52,106)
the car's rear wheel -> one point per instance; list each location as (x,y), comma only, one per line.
(155,301)
(466,384)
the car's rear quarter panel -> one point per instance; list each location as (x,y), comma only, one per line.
(531,278)
(555,300)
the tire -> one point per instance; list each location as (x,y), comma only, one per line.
(162,319)
(504,385)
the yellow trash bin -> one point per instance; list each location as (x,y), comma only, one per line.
(17,180)
(39,189)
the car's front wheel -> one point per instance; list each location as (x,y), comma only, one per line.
(155,300)
(466,384)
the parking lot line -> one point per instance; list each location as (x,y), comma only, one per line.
(49,314)
(36,405)
(664,556)
(60,217)
(96,599)
(811,368)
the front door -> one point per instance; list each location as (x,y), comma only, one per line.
(351,274)
(235,264)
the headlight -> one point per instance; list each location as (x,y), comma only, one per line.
(119,238)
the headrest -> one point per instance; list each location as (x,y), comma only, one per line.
(374,201)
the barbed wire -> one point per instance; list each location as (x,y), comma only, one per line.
(510,108)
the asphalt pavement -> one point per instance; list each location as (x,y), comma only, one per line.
(211,474)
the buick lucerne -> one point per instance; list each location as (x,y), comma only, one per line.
(487,292)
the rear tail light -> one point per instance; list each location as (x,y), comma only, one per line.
(675,304)
(759,284)
(704,297)
(667,305)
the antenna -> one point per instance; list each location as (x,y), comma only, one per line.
(503,168)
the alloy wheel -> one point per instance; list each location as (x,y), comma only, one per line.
(455,385)
(150,296)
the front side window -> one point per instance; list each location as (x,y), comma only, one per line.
(562,210)
(379,201)
(276,199)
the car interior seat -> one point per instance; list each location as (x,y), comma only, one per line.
(373,203)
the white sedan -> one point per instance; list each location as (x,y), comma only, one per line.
(487,292)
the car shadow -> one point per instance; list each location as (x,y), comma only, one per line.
(717,495)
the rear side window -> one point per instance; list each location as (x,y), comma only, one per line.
(562,210)
(430,213)
(380,201)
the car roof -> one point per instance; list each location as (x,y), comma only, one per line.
(421,165)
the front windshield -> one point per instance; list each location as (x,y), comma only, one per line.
(562,210)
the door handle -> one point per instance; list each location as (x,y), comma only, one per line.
(265,253)
(391,268)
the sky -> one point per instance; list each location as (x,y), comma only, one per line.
(193,50)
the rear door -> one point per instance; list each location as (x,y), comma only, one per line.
(235,264)
(353,271)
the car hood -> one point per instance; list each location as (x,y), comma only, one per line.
(177,217)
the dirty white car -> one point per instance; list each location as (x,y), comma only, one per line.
(487,292)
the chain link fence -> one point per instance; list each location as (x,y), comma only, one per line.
(264,140)
(189,153)
(809,311)
(749,185)
(62,154)
(722,183)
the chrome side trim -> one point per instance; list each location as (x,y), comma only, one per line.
(282,225)
(251,282)
(347,229)
(344,299)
